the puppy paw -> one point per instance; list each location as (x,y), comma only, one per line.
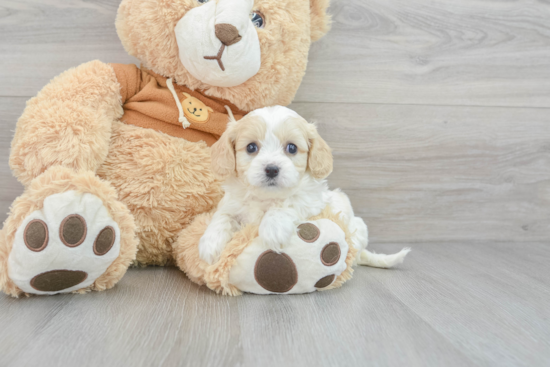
(275,232)
(211,246)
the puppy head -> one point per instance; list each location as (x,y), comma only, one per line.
(271,148)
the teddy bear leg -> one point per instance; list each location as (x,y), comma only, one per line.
(313,259)
(66,233)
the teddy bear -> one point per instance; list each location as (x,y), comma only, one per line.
(115,159)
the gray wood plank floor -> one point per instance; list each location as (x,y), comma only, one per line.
(439,116)
(458,304)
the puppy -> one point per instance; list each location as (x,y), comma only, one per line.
(275,163)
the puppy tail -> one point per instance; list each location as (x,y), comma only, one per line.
(381,260)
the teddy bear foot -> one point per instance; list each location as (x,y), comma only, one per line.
(312,260)
(64,246)
(70,243)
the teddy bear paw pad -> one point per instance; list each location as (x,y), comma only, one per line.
(330,254)
(275,272)
(325,281)
(308,232)
(311,260)
(65,246)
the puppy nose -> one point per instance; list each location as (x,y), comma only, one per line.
(271,171)
(228,34)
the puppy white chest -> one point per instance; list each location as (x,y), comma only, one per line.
(252,212)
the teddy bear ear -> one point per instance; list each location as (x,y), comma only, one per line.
(320,20)
(186,94)
(209,109)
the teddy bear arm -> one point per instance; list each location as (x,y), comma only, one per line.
(68,123)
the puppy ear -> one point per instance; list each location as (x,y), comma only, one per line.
(223,154)
(320,20)
(319,160)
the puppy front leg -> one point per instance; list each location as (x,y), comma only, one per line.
(218,233)
(276,228)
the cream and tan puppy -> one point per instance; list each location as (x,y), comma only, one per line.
(275,165)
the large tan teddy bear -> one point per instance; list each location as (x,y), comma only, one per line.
(115,159)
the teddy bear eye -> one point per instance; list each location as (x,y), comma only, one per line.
(252,148)
(291,148)
(257,19)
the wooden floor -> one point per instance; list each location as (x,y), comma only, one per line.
(459,304)
(439,116)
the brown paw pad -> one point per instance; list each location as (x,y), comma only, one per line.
(104,241)
(57,280)
(36,235)
(275,272)
(325,281)
(330,254)
(308,232)
(73,230)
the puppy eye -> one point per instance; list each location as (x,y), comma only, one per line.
(251,148)
(291,148)
(203,1)
(257,19)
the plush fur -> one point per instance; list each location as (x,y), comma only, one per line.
(298,23)
(216,276)
(277,203)
(56,180)
(72,128)
(297,192)
(164,198)
(72,119)
(75,116)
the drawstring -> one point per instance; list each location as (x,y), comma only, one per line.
(231,117)
(182,118)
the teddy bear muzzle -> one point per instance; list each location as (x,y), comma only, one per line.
(224,52)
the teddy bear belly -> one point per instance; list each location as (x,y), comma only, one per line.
(164,181)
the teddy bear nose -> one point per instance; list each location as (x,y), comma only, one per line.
(228,34)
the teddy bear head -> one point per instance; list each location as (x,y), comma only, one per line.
(252,53)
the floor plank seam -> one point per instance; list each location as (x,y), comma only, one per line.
(422,104)
(425,322)
(377,104)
